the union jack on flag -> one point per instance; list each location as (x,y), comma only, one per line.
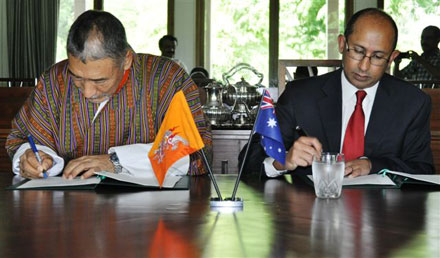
(267,101)
(267,126)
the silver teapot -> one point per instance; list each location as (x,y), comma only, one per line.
(242,96)
(217,113)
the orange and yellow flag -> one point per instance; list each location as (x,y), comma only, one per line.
(177,137)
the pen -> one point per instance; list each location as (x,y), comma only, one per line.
(37,155)
(301,131)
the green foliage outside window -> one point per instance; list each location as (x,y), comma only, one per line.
(240,33)
(65,20)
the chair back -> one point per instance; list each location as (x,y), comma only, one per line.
(435,125)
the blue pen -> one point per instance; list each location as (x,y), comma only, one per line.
(34,149)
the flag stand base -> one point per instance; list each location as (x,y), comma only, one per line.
(227,205)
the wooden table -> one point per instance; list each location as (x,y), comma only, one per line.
(280,219)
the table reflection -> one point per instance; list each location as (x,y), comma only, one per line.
(280,218)
(72,223)
(362,223)
(327,225)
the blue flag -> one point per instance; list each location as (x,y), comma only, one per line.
(267,126)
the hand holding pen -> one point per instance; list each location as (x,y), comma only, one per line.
(302,151)
(37,155)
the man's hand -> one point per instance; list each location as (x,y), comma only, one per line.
(30,167)
(357,167)
(302,151)
(87,165)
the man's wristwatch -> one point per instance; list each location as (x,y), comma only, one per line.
(115,160)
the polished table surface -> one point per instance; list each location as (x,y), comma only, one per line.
(281,218)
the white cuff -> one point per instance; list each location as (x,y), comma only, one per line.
(58,162)
(271,171)
(134,160)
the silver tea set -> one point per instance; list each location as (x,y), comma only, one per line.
(241,100)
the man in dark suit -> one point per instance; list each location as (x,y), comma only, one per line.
(395,125)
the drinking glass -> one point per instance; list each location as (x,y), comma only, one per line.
(328,172)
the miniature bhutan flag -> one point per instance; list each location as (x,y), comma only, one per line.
(177,137)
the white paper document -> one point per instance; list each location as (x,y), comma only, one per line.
(434,179)
(58,181)
(373,179)
(381,179)
(168,182)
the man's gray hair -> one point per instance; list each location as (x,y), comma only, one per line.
(97,35)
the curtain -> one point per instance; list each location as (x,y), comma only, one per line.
(32,35)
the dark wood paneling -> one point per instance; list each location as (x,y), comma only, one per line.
(226,146)
(11,100)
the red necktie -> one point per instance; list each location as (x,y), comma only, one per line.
(353,147)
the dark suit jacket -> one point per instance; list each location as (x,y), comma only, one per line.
(398,134)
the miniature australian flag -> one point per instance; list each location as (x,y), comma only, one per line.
(267,126)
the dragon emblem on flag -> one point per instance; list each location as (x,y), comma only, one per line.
(170,142)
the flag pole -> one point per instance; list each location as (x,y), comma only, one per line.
(237,181)
(214,182)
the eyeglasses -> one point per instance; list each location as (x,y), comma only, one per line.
(358,53)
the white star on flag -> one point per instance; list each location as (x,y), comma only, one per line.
(267,126)
(271,123)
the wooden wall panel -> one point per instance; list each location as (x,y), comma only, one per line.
(11,100)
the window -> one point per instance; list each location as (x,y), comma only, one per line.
(239,34)
(307,30)
(423,13)
(69,10)
(145,22)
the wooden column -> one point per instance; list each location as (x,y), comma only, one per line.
(98,5)
(200,33)
(380,4)
(274,14)
(170,18)
(349,8)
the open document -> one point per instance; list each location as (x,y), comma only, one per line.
(103,179)
(389,179)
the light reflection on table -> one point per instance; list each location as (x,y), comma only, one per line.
(279,219)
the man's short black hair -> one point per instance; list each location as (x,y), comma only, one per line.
(371,11)
(201,70)
(167,37)
(435,29)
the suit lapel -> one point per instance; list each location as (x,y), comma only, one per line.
(330,109)
(382,111)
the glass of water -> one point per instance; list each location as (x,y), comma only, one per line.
(328,172)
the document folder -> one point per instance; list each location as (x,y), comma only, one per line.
(387,179)
(103,179)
